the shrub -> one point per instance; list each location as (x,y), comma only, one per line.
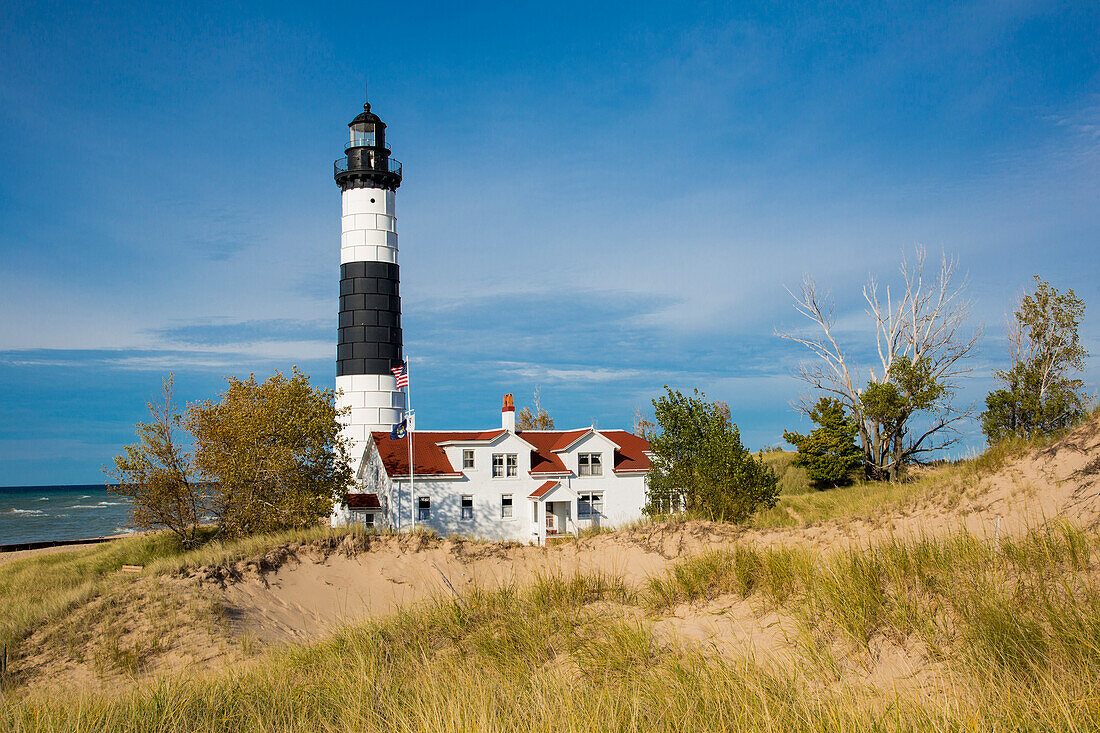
(699,464)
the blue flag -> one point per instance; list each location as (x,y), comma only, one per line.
(398,431)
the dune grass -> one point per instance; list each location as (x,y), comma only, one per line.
(1015,620)
(501,661)
(801,502)
(1022,614)
(37,589)
(1018,620)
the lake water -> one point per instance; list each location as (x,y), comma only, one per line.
(39,513)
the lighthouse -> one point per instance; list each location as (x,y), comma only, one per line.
(369,342)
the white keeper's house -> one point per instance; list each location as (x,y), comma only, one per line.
(502,484)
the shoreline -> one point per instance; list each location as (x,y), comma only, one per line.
(46,544)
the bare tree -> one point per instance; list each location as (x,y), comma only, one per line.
(641,424)
(539,419)
(156,475)
(921,352)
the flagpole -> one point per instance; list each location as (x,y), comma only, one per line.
(409,431)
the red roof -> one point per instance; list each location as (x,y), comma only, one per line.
(631,455)
(543,459)
(363,501)
(541,491)
(431,460)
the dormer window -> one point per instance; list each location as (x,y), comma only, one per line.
(589,464)
(505,465)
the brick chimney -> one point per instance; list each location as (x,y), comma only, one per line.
(508,414)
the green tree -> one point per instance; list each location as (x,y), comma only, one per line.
(155,475)
(922,344)
(829,453)
(912,387)
(273,452)
(699,464)
(1040,394)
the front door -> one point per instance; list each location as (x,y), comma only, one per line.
(551,520)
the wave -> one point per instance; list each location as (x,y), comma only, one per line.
(43,498)
(29,512)
(100,505)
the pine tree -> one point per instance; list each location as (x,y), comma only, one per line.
(829,453)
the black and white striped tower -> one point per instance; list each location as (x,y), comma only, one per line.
(370,305)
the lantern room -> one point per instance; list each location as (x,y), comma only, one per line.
(366,162)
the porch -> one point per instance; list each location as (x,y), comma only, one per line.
(553,507)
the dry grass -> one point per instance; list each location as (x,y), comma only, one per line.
(40,589)
(1018,617)
(1018,621)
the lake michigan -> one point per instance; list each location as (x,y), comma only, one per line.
(40,513)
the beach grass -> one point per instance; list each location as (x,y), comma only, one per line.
(1015,624)
(41,588)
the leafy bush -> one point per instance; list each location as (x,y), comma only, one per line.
(273,452)
(699,464)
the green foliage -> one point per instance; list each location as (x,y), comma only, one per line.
(829,453)
(154,474)
(1040,396)
(273,452)
(699,464)
(912,387)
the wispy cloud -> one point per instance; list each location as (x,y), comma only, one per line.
(220,332)
(225,360)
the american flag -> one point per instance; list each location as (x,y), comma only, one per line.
(402,374)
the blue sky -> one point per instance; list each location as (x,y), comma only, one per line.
(599,200)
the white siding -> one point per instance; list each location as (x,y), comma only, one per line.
(623,494)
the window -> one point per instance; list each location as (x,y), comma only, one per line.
(467,459)
(423,509)
(505,464)
(589,465)
(467,507)
(505,506)
(368,520)
(589,506)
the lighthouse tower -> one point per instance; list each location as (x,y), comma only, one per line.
(369,343)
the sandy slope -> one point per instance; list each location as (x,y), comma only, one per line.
(312,591)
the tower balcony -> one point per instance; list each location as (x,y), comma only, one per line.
(340,165)
(353,171)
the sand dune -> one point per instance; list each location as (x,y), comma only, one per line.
(298,593)
(313,590)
